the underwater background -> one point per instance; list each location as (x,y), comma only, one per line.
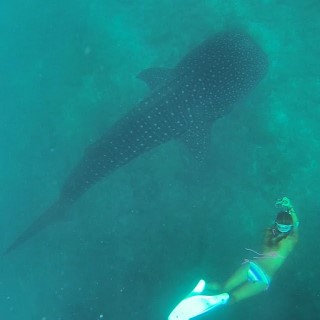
(140,239)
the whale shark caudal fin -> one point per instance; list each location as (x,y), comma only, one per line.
(53,214)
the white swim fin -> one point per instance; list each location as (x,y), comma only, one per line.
(196,303)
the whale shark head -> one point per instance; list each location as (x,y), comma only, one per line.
(224,68)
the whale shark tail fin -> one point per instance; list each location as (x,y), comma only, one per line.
(53,214)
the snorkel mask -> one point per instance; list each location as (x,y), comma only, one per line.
(283,228)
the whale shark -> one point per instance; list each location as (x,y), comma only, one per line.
(182,105)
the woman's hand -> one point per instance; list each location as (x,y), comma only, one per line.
(284,203)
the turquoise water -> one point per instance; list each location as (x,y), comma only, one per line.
(140,239)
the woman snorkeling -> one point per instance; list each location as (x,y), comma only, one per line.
(254,275)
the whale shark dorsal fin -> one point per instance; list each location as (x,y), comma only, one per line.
(197,139)
(155,77)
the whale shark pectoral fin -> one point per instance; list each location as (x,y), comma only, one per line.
(155,77)
(198,139)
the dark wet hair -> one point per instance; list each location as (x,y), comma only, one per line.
(284,217)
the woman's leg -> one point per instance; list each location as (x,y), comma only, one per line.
(238,278)
(247,290)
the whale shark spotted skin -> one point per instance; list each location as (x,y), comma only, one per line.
(183,104)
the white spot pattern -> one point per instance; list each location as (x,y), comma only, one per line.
(204,86)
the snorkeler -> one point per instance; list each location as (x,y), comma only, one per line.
(254,276)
